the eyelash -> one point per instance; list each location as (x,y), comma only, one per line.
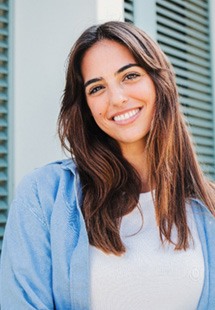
(129,76)
(95,89)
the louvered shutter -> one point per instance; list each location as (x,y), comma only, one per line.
(182,31)
(183,34)
(4,19)
(129,10)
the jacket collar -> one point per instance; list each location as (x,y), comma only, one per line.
(69,164)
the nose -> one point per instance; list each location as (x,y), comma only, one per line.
(117,96)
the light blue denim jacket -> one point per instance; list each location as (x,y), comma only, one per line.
(45,257)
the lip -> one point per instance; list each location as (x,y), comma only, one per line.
(128,120)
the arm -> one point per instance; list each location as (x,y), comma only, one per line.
(26,271)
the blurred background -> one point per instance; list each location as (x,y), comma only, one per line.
(35,39)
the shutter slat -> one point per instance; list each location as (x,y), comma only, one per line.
(195,103)
(203,74)
(198,113)
(182,44)
(3,136)
(186,33)
(203,141)
(4,7)
(1,231)
(3,176)
(193,85)
(206,160)
(203,132)
(194,94)
(185,51)
(129,11)
(3,97)
(3,45)
(199,17)
(3,32)
(201,50)
(191,73)
(3,110)
(3,122)
(190,66)
(180,27)
(3,20)
(204,150)
(179,13)
(3,149)
(128,6)
(185,61)
(3,218)
(3,206)
(3,163)
(3,70)
(193,8)
(3,58)
(202,124)
(128,17)
(3,192)
(208,170)
(199,3)
(192,30)
(183,37)
(3,83)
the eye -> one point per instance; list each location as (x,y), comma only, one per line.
(131,76)
(95,89)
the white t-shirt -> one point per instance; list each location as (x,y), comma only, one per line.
(148,276)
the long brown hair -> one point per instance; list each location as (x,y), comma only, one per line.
(111,186)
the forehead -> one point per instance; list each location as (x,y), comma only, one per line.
(104,57)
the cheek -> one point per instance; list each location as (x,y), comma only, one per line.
(96,108)
(145,91)
(94,111)
(97,115)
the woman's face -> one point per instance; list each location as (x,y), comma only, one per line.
(119,93)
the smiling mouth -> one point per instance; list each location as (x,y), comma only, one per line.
(126,116)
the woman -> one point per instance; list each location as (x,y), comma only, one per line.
(128,221)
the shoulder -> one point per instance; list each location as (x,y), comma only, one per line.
(200,209)
(53,169)
(201,212)
(39,190)
(46,177)
(204,219)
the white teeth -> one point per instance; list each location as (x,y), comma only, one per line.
(126,116)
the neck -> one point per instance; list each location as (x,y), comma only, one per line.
(136,156)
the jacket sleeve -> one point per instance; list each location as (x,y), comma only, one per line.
(26,271)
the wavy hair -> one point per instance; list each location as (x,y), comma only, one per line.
(111,186)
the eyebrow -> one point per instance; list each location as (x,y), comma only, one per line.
(117,72)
